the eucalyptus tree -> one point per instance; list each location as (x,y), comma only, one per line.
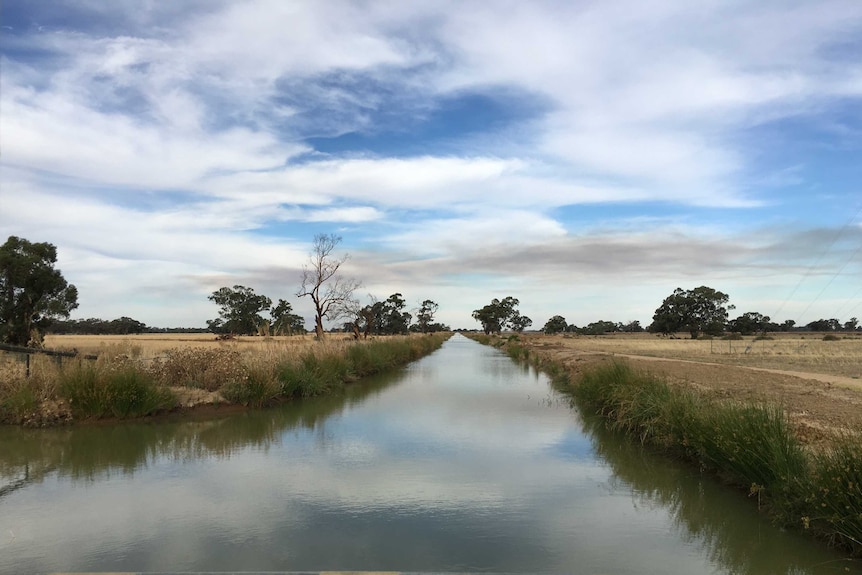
(500,314)
(330,292)
(701,309)
(425,315)
(556,324)
(284,321)
(239,311)
(32,293)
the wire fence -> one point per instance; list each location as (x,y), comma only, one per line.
(23,355)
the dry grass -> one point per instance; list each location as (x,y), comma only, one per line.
(151,345)
(793,352)
(134,376)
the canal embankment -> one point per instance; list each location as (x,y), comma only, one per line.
(122,386)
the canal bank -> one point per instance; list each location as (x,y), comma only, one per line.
(114,385)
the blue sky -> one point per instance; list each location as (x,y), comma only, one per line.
(584,157)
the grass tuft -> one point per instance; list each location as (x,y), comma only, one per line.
(95,391)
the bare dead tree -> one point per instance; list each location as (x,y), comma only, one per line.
(330,292)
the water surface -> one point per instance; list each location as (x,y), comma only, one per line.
(463,461)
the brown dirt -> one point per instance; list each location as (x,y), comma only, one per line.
(817,404)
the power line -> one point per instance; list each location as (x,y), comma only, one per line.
(816,264)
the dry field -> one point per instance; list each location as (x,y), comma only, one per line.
(151,345)
(787,352)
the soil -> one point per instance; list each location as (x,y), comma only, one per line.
(818,405)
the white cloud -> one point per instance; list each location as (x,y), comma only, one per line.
(175,138)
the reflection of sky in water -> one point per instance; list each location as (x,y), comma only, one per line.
(468,463)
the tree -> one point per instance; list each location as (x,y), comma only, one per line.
(284,321)
(240,310)
(499,314)
(425,315)
(851,325)
(520,322)
(330,292)
(32,292)
(556,324)
(600,327)
(631,327)
(393,319)
(749,323)
(825,325)
(701,309)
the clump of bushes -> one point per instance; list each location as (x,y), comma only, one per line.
(831,337)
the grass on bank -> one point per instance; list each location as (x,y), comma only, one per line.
(751,446)
(121,386)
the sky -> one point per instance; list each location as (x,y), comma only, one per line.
(584,157)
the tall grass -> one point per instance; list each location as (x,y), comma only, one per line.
(749,445)
(119,385)
(96,391)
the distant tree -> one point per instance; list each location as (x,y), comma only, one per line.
(240,310)
(425,316)
(701,309)
(32,292)
(520,322)
(330,292)
(749,323)
(284,321)
(500,314)
(825,325)
(851,325)
(631,327)
(556,324)
(394,320)
(787,325)
(600,327)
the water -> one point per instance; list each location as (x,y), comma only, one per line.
(464,461)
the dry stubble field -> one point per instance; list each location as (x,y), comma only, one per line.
(818,382)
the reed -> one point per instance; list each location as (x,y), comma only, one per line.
(829,499)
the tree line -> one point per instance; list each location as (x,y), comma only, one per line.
(34,297)
(702,310)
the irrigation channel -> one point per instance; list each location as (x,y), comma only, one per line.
(462,461)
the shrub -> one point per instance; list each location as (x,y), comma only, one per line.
(831,337)
(96,391)
(204,368)
(260,387)
(733,337)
